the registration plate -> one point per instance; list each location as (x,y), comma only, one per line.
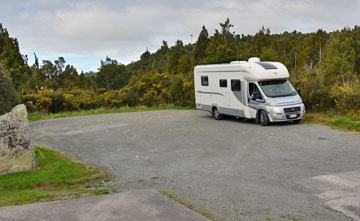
(292,115)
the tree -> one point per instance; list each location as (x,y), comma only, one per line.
(68,77)
(8,95)
(36,63)
(112,75)
(263,39)
(339,59)
(201,46)
(161,58)
(48,69)
(225,31)
(315,45)
(59,64)
(12,59)
(222,47)
(145,60)
(175,53)
(356,45)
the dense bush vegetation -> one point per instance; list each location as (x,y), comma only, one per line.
(326,66)
(157,90)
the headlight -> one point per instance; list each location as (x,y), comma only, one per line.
(271,102)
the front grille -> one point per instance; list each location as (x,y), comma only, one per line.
(291,109)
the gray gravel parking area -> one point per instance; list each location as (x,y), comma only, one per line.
(234,169)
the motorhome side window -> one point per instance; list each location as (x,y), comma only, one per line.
(235,85)
(223,83)
(204,81)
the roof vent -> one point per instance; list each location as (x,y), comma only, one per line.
(254,60)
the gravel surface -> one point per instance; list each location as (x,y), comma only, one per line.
(234,169)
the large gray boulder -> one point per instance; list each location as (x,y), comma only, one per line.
(16,152)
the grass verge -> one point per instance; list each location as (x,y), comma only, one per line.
(57,178)
(35,116)
(336,121)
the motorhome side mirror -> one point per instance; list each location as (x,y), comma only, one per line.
(298,91)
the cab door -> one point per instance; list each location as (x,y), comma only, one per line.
(255,99)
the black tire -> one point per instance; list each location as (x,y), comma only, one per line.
(297,121)
(264,118)
(257,119)
(216,114)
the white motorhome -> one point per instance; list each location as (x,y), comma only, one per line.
(253,89)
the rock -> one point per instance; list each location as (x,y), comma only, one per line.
(16,152)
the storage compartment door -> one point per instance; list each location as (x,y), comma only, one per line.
(227,98)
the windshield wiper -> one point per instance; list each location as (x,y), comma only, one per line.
(284,95)
(292,93)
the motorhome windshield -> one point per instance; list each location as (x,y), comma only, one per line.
(277,88)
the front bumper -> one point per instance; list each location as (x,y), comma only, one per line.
(286,113)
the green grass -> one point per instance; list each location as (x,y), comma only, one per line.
(58,177)
(336,121)
(35,116)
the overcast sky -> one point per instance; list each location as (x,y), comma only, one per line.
(86,31)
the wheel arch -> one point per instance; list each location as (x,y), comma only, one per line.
(215,106)
(258,111)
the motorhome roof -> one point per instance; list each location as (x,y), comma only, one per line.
(253,69)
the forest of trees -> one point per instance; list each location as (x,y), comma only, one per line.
(326,66)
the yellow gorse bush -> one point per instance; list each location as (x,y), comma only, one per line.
(149,92)
(43,103)
(346,97)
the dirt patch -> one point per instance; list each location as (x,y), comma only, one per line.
(49,185)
